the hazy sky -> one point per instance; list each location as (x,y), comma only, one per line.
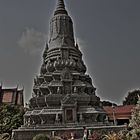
(107,31)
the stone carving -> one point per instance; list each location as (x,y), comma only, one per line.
(66,75)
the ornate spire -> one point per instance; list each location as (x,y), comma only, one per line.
(60,9)
(61,28)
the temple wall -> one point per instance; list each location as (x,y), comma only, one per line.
(28,134)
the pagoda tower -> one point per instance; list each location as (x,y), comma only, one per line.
(63,94)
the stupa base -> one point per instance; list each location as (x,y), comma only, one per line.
(24,133)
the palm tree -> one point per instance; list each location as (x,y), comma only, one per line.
(112,136)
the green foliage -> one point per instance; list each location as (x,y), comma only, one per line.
(121,135)
(133,132)
(108,103)
(4,136)
(56,138)
(11,117)
(131,98)
(112,136)
(41,137)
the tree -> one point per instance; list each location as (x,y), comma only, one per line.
(4,136)
(132,97)
(134,133)
(108,103)
(121,135)
(11,117)
(112,136)
(41,137)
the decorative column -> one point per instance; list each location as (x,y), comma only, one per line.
(74,115)
(25,121)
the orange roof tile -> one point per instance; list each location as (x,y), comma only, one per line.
(7,97)
(119,109)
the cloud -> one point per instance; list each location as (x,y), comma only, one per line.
(32,41)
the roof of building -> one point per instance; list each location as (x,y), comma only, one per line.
(119,112)
(119,109)
(11,96)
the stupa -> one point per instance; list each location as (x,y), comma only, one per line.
(63,94)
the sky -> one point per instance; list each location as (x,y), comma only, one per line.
(107,32)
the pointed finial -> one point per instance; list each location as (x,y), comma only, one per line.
(60,9)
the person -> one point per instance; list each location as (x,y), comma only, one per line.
(94,135)
(85,136)
(72,136)
(89,135)
(53,134)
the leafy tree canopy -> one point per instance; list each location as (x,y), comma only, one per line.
(11,117)
(134,133)
(41,137)
(132,97)
(108,103)
(4,136)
